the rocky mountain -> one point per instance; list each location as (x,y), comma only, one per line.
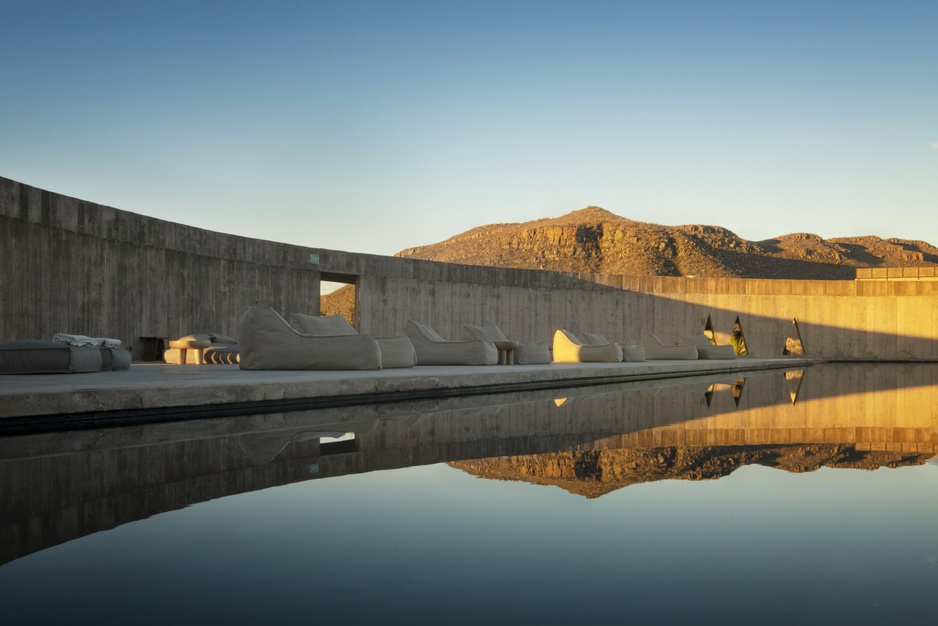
(595,240)
(594,473)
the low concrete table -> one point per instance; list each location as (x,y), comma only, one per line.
(506,352)
(183,345)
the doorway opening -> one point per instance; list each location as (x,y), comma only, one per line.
(338,295)
(708,331)
(738,339)
(793,345)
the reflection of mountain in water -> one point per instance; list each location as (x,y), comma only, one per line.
(593,473)
(61,486)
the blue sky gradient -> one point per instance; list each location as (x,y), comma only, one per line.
(377,126)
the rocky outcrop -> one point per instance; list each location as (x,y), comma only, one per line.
(595,240)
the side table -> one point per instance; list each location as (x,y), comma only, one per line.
(183,345)
(506,352)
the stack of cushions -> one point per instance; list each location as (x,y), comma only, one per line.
(38,356)
(396,352)
(525,354)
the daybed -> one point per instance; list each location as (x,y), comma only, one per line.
(524,354)
(36,356)
(83,354)
(432,349)
(593,349)
(706,349)
(267,342)
(657,350)
(396,352)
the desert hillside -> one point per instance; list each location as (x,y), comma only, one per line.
(595,240)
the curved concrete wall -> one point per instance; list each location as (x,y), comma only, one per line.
(73,266)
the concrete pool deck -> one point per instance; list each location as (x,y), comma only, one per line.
(154,392)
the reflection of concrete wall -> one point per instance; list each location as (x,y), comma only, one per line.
(50,500)
(79,267)
(887,417)
(830,407)
(65,485)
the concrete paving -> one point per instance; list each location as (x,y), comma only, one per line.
(152,392)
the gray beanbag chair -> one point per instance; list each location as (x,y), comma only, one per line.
(432,349)
(536,353)
(268,342)
(395,351)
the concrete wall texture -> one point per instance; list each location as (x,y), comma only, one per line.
(68,265)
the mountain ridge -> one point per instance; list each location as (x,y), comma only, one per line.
(596,240)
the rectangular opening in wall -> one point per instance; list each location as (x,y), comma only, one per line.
(152,348)
(338,295)
(342,444)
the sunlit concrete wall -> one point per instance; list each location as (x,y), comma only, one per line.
(876,320)
(68,265)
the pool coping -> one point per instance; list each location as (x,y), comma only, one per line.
(155,392)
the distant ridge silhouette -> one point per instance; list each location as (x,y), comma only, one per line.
(594,240)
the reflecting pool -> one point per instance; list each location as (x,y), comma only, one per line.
(805,496)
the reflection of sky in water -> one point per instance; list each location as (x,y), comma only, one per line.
(435,545)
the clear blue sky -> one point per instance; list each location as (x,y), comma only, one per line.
(377,126)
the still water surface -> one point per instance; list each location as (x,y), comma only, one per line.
(799,498)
